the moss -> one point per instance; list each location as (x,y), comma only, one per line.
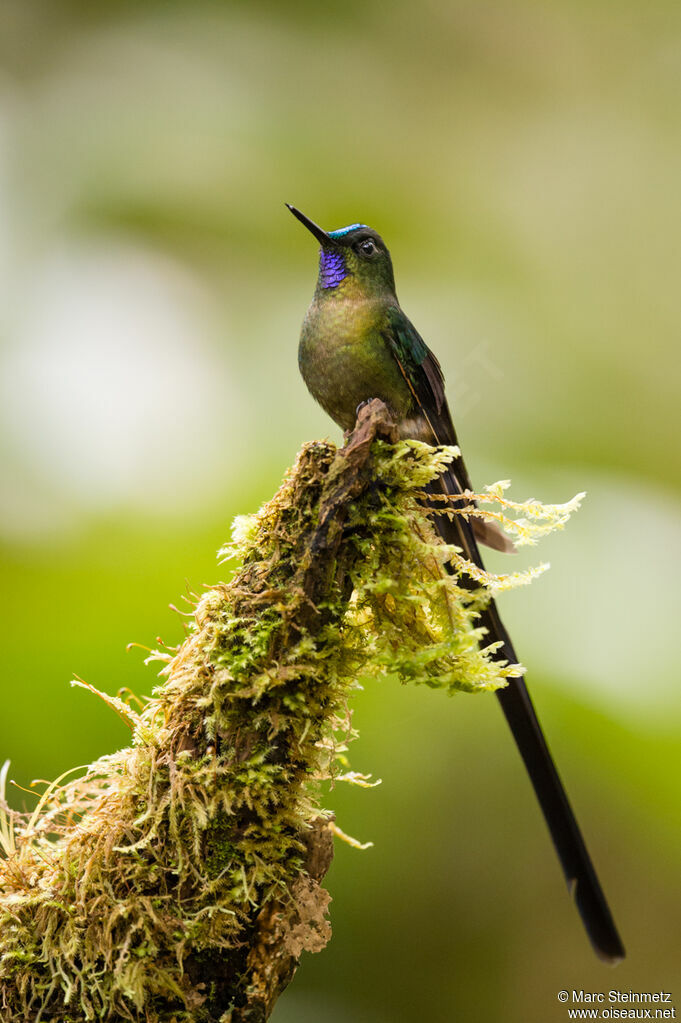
(178,879)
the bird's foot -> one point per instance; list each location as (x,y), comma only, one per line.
(362,404)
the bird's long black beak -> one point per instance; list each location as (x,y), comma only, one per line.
(321,235)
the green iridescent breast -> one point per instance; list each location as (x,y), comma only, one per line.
(345,359)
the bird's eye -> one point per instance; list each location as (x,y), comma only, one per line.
(368,247)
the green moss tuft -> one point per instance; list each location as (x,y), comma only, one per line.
(178,879)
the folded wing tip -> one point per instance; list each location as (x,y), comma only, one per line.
(491,536)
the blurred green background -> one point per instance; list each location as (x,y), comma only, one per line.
(522,161)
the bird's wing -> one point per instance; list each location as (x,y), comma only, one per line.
(425,379)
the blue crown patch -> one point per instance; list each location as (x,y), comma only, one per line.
(344,230)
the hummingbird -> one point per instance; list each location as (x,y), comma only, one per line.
(356,344)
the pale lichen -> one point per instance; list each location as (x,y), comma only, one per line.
(178,879)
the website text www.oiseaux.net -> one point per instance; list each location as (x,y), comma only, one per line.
(617,1004)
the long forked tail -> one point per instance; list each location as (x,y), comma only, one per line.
(520,714)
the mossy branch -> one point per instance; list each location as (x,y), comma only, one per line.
(179,879)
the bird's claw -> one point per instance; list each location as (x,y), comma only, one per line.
(362,404)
